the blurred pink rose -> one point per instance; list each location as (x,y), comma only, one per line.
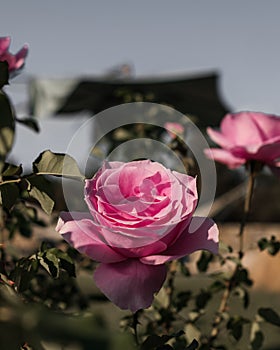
(139,218)
(14,61)
(247,136)
(174,129)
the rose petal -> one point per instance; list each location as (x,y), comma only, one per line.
(269,152)
(269,125)
(225,157)
(20,57)
(219,138)
(205,237)
(266,153)
(79,231)
(130,284)
(241,129)
(4,44)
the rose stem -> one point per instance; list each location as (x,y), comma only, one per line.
(170,282)
(135,322)
(2,238)
(247,206)
(170,290)
(230,283)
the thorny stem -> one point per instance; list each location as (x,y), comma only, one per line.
(253,170)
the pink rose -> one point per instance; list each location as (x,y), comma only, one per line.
(139,218)
(174,129)
(14,61)
(247,136)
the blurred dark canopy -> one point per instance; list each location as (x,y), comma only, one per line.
(197,96)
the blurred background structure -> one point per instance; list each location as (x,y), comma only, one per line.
(194,95)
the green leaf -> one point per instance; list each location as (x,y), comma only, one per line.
(53,259)
(155,341)
(50,265)
(242,277)
(235,326)
(11,170)
(7,126)
(183,267)
(23,273)
(30,123)
(22,219)
(165,347)
(217,285)
(274,248)
(65,261)
(244,295)
(9,193)
(269,316)
(57,164)
(193,345)
(262,243)
(272,245)
(53,263)
(192,332)
(40,189)
(256,336)
(182,300)
(204,260)
(152,342)
(4,74)
(202,299)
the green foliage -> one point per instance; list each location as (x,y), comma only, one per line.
(9,192)
(52,260)
(155,342)
(269,316)
(202,299)
(256,336)
(241,277)
(244,295)
(193,345)
(40,189)
(30,123)
(272,245)
(181,300)
(204,260)
(10,170)
(23,219)
(7,127)
(56,164)
(37,185)
(4,74)
(23,273)
(235,326)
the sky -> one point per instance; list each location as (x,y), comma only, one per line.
(238,39)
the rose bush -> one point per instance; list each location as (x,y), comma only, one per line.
(247,136)
(14,61)
(139,218)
